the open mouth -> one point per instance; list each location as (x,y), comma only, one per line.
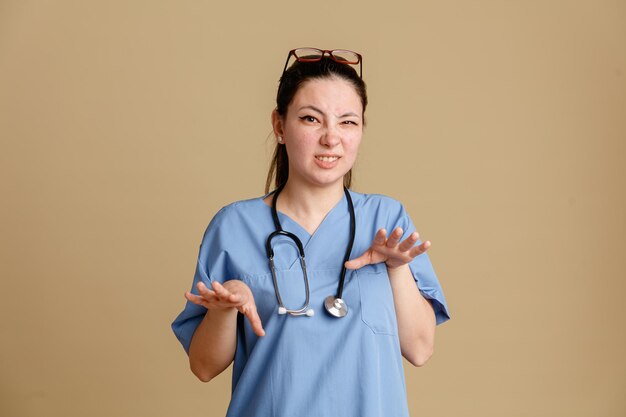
(327,158)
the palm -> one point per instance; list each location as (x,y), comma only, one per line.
(232,294)
(390,250)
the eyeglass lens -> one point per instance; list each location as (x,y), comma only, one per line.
(313,54)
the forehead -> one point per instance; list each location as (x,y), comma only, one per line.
(334,95)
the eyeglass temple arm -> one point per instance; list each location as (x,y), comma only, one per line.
(286,63)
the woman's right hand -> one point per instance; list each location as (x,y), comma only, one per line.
(232,294)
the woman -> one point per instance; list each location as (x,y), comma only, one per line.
(291,356)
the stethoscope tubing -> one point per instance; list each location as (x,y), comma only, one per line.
(346,258)
(332,306)
(305,307)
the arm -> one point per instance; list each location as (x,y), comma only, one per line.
(416,317)
(213,344)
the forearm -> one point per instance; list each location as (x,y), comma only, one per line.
(416,318)
(213,344)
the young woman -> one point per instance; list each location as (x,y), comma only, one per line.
(315,291)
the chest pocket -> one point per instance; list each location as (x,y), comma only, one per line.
(377,308)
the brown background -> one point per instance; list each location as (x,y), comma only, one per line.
(125,125)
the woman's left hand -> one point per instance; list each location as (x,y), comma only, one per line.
(390,250)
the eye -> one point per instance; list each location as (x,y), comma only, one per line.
(350,122)
(308,118)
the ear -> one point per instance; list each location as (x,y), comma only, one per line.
(277,124)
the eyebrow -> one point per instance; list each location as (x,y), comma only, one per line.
(349,114)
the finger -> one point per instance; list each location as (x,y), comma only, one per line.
(210,303)
(204,291)
(380,237)
(419,249)
(221,292)
(236,299)
(228,295)
(191,297)
(394,237)
(196,299)
(409,242)
(254,319)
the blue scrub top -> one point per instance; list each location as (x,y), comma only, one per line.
(321,365)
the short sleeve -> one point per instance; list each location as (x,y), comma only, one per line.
(424,275)
(211,263)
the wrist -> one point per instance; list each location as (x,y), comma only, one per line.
(220,312)
(396,270)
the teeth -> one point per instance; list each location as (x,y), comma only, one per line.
(327,158)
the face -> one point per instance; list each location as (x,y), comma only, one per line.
(322,131)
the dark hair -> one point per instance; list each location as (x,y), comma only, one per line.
(291,81)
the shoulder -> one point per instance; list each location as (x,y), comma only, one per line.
(377,203)
(236,215)
(239,209)
(381,210)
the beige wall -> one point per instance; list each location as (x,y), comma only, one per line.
(125,125)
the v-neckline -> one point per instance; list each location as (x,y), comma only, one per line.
(309,236)
(309,241)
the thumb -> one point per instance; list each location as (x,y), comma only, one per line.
(359,262)
(253,317)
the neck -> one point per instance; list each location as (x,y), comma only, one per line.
(304,201)
(308,206)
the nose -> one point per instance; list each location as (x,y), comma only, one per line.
(330,137)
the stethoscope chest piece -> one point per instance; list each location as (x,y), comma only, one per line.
(335,306)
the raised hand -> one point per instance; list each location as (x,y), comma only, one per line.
(232,294)
(390,250)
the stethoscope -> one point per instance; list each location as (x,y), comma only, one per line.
(334,304)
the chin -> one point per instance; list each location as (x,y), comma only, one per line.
(328,182)
(323,179)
